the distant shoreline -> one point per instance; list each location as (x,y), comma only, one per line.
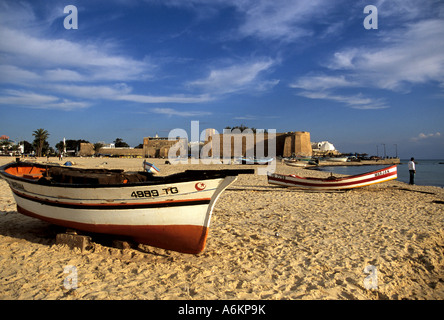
(359,163)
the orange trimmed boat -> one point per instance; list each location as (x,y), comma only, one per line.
(171,212)
(333,183)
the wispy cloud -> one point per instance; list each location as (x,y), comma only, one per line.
(396,11)
(39,101)
(423,136)
(62,71)
(92,61)
(92,91)
(325,87)
(355,101)
(237,78)
(281,20)
(406,56)
(255,117)
(323,82)
(12,74)
(123,92)
(164,99)
(180,113)
(45,68)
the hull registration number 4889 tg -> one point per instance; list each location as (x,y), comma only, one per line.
(153,193)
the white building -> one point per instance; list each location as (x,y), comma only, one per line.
(323,146)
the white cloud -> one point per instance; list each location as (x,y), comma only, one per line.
(405,56)
(26,98)
(123,92)
(355,101)
(22,49)
(237,77)
(282,20)
(323,87)
(423,136)
(15,75)
(16,13)
(93,91)
(279,19)
(404,10)
(59,74)
(254,117)
(174,112)
(163,99)
(42,64)
(322,82)
(39,101)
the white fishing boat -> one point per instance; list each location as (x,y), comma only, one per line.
(171,212)
(258,161)
(301,163)
(335,159)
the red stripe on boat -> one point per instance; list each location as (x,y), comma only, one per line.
(181,238)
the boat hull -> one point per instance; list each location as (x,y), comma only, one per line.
(164,213)
(345,183)
(337,159)
(256,161)
(300,163)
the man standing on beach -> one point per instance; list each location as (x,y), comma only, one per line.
(412,170)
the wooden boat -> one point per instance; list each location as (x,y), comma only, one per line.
(334,183)
(300,163)
(259,161)
(335,159)
(171,212)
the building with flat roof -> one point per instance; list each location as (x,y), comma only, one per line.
(287,144)
(222,145)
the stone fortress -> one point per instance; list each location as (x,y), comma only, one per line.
(287,144)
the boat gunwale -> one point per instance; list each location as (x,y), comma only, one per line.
(184,176)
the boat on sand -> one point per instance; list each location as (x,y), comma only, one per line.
(335,159)
(334,183)
(171,212)
(258,161)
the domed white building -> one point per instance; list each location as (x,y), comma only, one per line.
(324,147)
(327,146)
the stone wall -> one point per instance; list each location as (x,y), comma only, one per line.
(157,147)
(117,152)
(287,144)
(297,143)
(255,145)
(86,149)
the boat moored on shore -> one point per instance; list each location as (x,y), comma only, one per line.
(334,183)
(171,212)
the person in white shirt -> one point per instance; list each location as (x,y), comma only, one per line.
(412,170)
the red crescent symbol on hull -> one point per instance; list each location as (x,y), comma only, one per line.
(200,186)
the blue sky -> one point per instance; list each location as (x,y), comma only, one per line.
(139,67)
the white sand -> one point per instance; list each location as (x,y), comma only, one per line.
(265,242)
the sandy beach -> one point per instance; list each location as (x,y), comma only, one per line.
(265,242)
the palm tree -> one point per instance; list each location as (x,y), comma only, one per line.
(98,146)
(40,138)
